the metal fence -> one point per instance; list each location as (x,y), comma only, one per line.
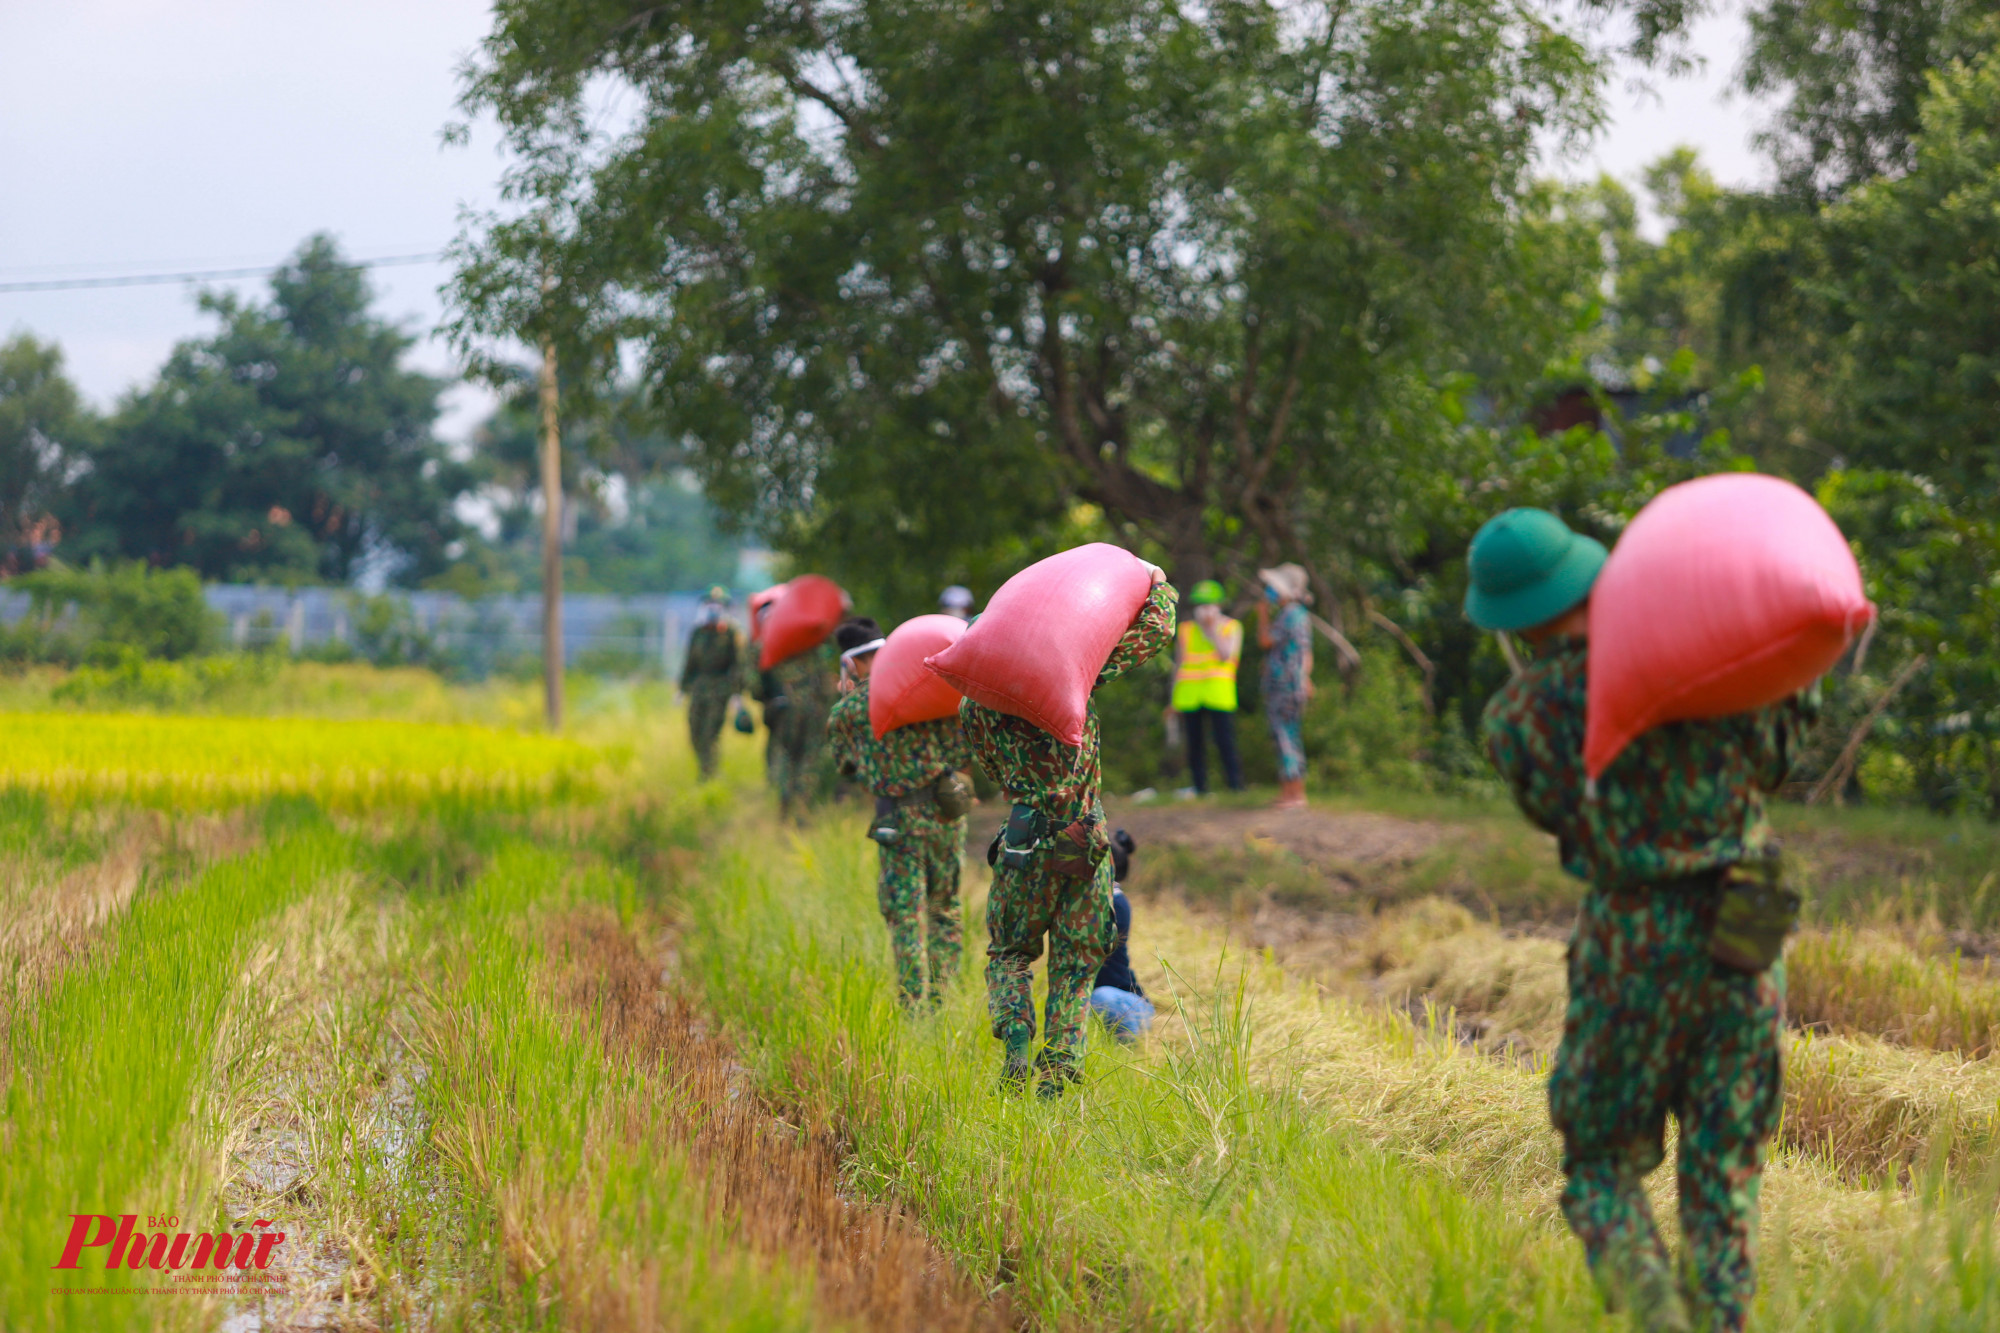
(647,631)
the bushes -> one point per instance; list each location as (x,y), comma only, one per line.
(137,681)
(106,614)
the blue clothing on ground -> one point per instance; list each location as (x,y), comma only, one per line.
(1126,1014)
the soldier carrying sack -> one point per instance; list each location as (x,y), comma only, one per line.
(916,773)
(1675,979)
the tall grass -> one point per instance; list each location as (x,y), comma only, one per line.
(1267,1162)
(1178,1193)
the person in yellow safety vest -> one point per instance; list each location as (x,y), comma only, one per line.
(1207,649)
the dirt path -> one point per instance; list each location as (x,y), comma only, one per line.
(1337,843)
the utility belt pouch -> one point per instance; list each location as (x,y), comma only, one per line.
(1077,849)
(953,793)
(1022,836)
(1754,913)
(887,826)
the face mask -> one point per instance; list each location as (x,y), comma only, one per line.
(710,614)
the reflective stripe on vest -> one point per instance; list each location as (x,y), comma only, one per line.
(1205,680)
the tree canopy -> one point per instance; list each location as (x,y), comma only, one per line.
(915,281)
(290,444)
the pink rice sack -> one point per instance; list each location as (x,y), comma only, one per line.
(901,689)
(1725,594)
(1037,648)
(801,618)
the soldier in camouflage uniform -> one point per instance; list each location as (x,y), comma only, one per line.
(1657,1024)
(1061,783)
(796,694)
(919,841)
(711,676)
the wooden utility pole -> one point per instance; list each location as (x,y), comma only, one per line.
(552,525)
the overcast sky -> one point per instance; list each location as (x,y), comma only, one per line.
(155,135)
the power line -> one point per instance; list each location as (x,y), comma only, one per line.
(209,275)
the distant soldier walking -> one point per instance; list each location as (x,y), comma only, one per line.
(917,775)
(1044,882)
(712,676)
(1673,1009)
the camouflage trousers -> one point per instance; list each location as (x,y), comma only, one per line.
(918,895)
(708,709)
(797,761)
(1656,1027)
(1075,915)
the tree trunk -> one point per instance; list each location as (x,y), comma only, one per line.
(552,531)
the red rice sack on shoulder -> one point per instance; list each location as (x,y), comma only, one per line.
(1037,648)
(1725,594)
(801,618)
(901,689)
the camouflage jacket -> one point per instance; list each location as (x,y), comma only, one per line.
(1034,767)
(714,654)
(1680,799)
(807,680)
(902,760)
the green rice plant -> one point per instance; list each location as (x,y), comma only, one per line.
(183,762)
(581,1209)
(107,1068)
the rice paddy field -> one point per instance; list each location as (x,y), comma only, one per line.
(504,1031)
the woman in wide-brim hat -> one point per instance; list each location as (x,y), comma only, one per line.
(1284,631)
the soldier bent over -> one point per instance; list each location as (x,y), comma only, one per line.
(1658,1024)
(1041,886)
(916,773)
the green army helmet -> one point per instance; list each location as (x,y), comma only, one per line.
(1206,593)
(1528,568)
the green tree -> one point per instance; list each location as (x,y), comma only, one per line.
(291,444)
(1910,285)
(44,431)
(1854,74)
(1851,76)
(921,285)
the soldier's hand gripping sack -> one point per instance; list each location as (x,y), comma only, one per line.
(1045,635)
(901,689)
(1725,594)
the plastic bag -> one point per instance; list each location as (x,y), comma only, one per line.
(1037,648)
(901,690)
(1725,594)
(800,619)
